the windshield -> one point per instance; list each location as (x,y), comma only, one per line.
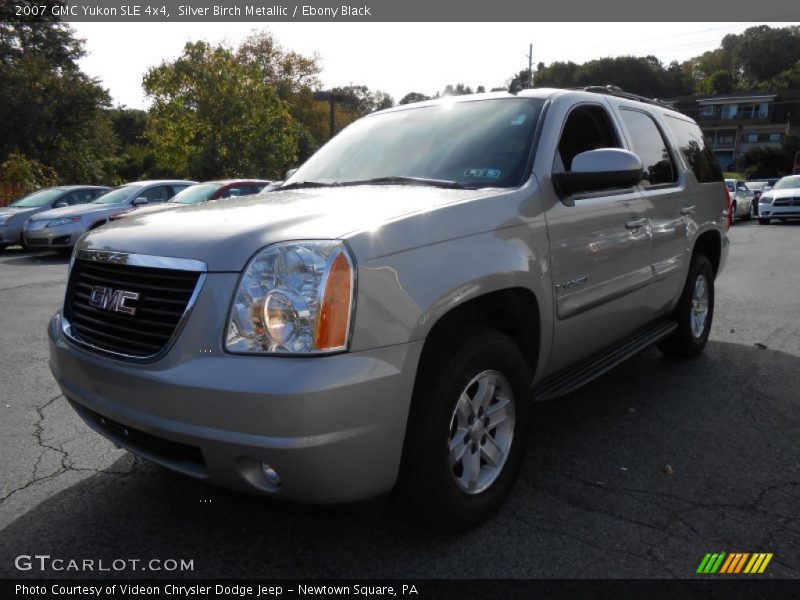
(117,195)
(196,193)
(731,185)
(37,199)
(483,143)
(787,183)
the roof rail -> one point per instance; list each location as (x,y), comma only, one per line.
(613,90)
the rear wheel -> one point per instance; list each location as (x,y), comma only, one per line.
(467,431)
(733,212)
(763,221)
(694,312)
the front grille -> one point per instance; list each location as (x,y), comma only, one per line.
(794,201)
(163,298)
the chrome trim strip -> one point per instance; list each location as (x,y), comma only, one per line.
(143,260)
(139,260)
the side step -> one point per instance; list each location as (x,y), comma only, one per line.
(590,368)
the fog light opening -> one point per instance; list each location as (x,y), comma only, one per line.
(271,475)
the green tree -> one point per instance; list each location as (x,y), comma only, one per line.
(20,175)
(413,97)
(763,161)
(215,116)
(50,111)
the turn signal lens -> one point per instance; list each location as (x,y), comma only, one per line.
(333,321)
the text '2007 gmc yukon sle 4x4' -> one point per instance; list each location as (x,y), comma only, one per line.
(384,319)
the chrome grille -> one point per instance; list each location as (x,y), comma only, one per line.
(793,201)
(150,321)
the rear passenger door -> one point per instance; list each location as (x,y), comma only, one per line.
(667,202)
(598,245)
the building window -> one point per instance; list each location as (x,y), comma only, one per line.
(774,137)
(750,138)
(730,111)
(707,111)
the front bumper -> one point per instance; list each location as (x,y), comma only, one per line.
(10,234)
(64,236)
(771,211)
(332,427)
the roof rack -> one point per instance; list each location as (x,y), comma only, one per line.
(613,90)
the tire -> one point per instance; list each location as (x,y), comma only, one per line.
(434,485)
(690,338)
(763,221)
(733,213)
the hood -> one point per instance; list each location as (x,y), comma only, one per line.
(14,210)
(81,209)
(226,234)
(153,208)
(787,193)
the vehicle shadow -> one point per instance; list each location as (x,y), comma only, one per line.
(637,475)
(19,256)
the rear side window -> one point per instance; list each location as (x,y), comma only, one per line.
(695,149)
(159,193)
(650,146)
(79,197)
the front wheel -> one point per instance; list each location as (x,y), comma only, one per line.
(694,312)
(467,431)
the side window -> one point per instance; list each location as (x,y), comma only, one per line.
(159,193)
(695,149)
(235,192)
(587,128)
(174,189)
(71,199)
(97,193)
(650,146)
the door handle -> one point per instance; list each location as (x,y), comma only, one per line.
(636,222)
(687,210)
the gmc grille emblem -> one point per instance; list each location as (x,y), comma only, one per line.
(113,300)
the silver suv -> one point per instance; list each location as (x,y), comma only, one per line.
(383,321)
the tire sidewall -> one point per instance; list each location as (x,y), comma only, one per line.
(435,397)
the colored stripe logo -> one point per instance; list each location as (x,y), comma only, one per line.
(734,563)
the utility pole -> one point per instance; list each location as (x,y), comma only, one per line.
(530,66)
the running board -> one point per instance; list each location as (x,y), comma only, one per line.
(590,368)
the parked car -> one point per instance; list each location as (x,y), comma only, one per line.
(759,186)
(13,216)
(384,319)
(781,202)
(203,192)
(60,228)
(741,199)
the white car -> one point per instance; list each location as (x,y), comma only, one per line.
(741,199)
(782,201)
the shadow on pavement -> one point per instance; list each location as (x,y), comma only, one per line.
(637,475)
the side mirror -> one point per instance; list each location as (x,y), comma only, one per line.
(601,169)
(139,201)
(290,172)
(60,204)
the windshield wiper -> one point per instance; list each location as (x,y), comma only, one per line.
(402,180)
(297,185)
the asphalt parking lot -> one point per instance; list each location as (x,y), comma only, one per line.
(637,475)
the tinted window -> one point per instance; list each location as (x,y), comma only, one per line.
(649,145)
(79,197)
(695,150)
(480,143)
(587,128)
(236,191)
(160,193)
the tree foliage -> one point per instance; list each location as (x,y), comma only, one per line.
(50,111)
(216,116)
(20,175)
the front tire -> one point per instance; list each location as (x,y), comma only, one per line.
(694,312)
(467,432)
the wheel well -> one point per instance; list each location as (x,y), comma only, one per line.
(710,244)
(96,225)
(513,311)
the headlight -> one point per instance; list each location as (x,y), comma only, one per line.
(765,199)
(4,219)
(294,298)
(62,221)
